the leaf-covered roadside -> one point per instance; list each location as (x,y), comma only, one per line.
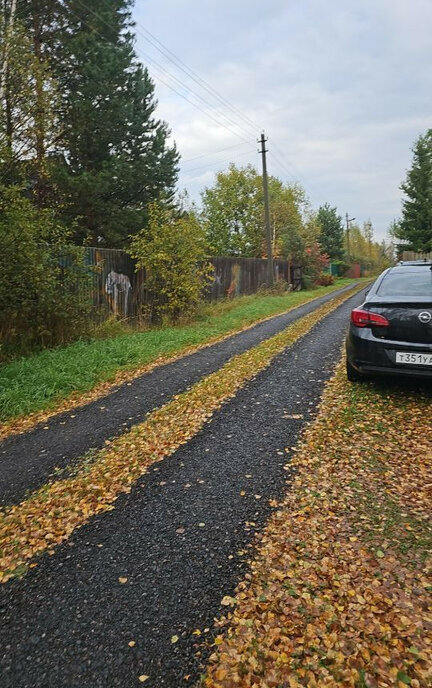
(339,593)
(52,513)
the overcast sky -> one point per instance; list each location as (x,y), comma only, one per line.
(342,88)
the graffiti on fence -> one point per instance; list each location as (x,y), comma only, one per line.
(118,286)
(234,287)
(119,289)
(114,282)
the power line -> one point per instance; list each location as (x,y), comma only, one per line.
(281,166)
(196,95)
(96,14)
(280,158)
(287,164)
(184,68)
(210,153)
(220,124)
(170,55)
(289,174)
(218,162)
(173,58)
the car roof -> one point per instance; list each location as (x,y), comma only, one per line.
(414,263)
(409,266)
(403,267)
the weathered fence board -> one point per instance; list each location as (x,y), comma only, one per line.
(117,289)
(235,276)
(411,255)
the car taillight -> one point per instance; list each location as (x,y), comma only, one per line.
(361,318)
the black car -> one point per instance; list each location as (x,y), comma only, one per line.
(391,332)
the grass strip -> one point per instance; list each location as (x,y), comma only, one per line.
(52,513)
(34,388)
(339,592)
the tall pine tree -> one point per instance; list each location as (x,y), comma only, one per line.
(331,236)
(110,157)
(117,159)
(414,230)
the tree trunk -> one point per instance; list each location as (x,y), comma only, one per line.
(40,186)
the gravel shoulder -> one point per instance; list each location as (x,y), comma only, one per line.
(178,538)
(28,460)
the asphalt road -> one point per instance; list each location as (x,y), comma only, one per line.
(27,461)
(176,538)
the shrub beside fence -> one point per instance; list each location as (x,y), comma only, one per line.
(117,289)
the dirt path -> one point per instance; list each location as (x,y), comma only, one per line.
(177,542)
(28,460)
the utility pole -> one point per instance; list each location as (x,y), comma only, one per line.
(263,152)
(369,234)
(348,220)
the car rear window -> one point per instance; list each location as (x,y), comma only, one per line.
(409,283)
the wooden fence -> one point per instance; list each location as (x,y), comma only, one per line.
(236,276)
(117,289)
(411,255)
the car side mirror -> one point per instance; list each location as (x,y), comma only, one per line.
(367,292)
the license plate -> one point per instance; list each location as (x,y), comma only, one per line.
(413,359)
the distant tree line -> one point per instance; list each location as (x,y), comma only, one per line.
(232,217)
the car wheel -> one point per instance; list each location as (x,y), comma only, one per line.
(352,374)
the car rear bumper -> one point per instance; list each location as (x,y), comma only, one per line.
(372,356)
(401,371)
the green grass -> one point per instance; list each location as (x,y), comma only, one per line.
(38,382)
